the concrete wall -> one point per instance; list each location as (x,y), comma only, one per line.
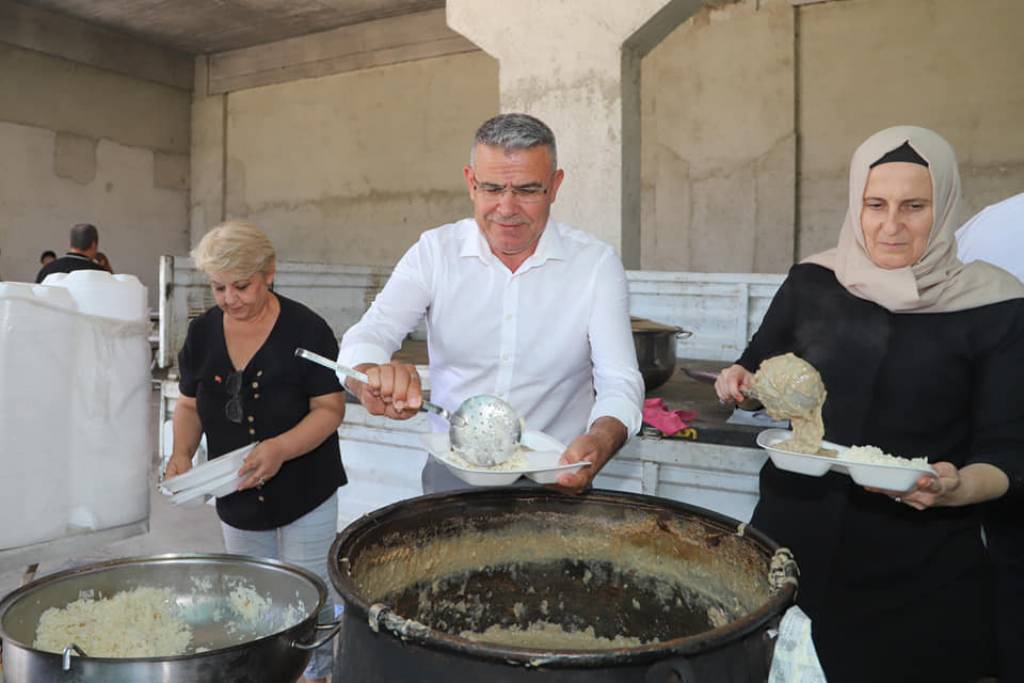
(350,159)
(751,110)
(81,143)
(719,144)
(951,66)
(351,168)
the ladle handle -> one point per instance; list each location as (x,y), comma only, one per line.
(751,402)
(328,363)
(425,406)
(428,407)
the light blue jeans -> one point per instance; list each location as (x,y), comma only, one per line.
(306,543)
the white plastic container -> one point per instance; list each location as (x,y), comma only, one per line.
(37,331)
(109,391)
(98,293)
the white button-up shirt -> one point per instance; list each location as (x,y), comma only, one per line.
(996,234)
(545,338)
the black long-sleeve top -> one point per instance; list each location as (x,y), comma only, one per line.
(944,386)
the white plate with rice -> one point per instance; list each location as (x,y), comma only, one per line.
(866,465)
(538,461)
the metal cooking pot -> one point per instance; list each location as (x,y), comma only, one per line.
(264,652)
(423,578)
(656,350)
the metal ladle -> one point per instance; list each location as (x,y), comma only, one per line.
(484,430)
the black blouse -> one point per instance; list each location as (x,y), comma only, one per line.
(876,573)
(275,391)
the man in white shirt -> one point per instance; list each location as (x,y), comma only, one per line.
(996,235)
(517,305)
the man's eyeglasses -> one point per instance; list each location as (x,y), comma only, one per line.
(531,193)
(233,408)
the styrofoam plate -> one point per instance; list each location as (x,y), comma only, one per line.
(881,476)
(218,468)
(217,488)
(541,461)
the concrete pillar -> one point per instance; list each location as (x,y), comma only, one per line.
(575,64)
(209,147)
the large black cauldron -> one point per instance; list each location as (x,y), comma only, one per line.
(668,592)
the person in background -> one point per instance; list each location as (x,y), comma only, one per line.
(47,257)
(921,356)
(102,261)
(996,235)
(242,384)
(85,240)
(517,305)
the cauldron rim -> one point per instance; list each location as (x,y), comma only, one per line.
(23,592)
(439,640)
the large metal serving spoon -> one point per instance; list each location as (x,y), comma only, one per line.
(484,430)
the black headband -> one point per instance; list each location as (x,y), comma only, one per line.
(904,153)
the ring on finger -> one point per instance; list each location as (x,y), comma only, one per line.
(260,482)
(897,499)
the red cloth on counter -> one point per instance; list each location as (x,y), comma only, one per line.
(667,421)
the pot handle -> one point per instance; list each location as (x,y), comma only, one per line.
(333,628)
(684,334)
(65,662)
(675,670)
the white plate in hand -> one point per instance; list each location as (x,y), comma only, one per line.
(881,476)
(211,470)
(218,488)
(541,461)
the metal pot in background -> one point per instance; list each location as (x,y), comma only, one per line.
(656,350)
(278,656)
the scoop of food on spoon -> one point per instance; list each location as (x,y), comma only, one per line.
(791,389)
(484,430)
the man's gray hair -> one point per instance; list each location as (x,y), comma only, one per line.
(84,235)
(513,132)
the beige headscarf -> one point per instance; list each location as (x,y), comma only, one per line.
(938,281)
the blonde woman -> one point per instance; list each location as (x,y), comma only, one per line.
(241,383)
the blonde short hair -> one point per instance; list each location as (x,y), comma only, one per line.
(236,247)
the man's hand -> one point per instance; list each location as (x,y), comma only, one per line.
(597,447)
(393,390)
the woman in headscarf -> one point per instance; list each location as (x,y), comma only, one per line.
(921,355)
